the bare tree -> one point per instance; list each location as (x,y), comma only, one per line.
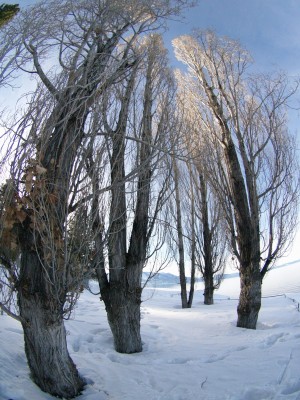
(203,237)
(211,236)
(135,128)
(246,116)
(181,245)
(178,235)
(76,51)
(206,241)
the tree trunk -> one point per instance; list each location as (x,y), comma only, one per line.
(181,262)
(208,289)
(207,271)
(246,225)
(182,280)
(193,245)
(48,358)
(123,313)
(250,299)
(192,289)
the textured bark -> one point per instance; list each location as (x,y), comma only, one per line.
(250,299)
(43,282)
(124,315)
(48,359)
(208,289)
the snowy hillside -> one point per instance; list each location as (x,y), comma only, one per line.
(188,354)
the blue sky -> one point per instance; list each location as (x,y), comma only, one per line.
(269,29)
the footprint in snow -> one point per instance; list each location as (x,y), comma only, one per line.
(178,361)
(291,387)
(98,331)
(215,357)
(154,326)
(89,339)
(241,348)
(297,336)
(76,345)
(271,340)
(256,393)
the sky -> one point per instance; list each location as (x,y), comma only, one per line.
(268,29)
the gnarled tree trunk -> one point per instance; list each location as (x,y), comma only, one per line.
(41,314)
(123,302)
(250,298)
(44,270)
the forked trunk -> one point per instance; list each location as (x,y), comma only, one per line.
(250,299)
(124,316)
(50,365)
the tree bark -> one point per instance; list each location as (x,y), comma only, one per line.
(250,298)
(208,289)
(181,263)
(207,270)
(193,244)
(122,291)
(41,314)
(123,303)
(192,285)
(44,272)
(246,225)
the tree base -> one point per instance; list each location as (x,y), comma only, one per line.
(123,309)
(50,364)
(249,303)
(247,321)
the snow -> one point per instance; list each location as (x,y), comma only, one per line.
(188,354)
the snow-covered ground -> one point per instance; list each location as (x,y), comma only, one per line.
(188,354)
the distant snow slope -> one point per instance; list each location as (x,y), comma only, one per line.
(188,354)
